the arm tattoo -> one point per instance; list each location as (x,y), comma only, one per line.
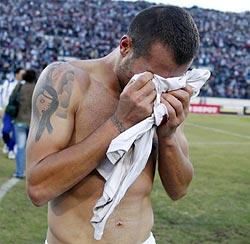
(52,99)
(65,91)
(47,113)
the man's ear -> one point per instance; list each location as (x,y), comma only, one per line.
(125,45)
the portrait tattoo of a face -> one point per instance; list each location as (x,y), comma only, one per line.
(51,99)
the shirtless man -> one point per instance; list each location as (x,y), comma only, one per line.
(80,106)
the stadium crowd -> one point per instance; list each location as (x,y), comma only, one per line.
(36,33)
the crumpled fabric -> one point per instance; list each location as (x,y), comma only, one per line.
(128,153)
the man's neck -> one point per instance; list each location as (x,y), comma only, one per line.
(110,62)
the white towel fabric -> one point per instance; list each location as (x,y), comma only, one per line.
(128,153)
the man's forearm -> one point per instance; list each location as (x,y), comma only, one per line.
(60,171)
(175,169)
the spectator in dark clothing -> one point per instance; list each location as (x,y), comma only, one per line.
(22,120)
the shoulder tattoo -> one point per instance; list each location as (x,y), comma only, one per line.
(52,96)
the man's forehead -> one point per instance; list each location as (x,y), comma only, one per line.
(161,62)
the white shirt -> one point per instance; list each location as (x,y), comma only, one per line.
(5,91)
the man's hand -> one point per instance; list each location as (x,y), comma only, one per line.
(136,102)
(177,103)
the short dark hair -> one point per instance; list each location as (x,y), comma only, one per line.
(170,25)
(30,76)
(17,70)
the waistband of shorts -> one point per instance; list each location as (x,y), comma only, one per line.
(150,240)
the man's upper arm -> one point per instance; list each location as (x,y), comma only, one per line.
(53,106)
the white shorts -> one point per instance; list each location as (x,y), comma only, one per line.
(150,240)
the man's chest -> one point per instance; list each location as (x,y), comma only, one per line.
(93,110)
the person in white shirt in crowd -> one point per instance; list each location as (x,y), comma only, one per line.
(8,134)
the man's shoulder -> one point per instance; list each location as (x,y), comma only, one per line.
(61,73)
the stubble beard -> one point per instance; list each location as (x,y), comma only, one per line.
(124,72)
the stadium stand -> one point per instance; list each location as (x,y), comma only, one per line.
(35,33)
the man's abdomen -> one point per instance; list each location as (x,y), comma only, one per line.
(131,222)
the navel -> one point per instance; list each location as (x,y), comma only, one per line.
(119,223)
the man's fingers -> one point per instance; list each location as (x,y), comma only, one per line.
(147,89)
(188,89)
(140,81)
(175,103)
(182,95)
(171,111)
(150,97)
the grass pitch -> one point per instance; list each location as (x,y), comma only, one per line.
(216,209)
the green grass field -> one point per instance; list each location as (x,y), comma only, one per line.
(216,209)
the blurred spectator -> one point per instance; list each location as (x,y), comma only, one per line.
(8,134)
(22,120)
(39,32)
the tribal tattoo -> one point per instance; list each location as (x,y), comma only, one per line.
(52,98)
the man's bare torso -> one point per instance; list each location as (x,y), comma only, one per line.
(69,214)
